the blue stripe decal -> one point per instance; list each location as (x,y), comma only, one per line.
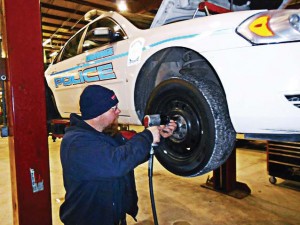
(91,63)
(106,59)
(123,54)
(173,39)
(63,71)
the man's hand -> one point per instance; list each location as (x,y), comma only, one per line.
(167,130)
(155,130)
(162,130)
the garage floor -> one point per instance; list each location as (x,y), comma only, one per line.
(182,201)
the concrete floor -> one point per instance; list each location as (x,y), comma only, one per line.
(182,201)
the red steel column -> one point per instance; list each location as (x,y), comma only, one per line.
(28,141)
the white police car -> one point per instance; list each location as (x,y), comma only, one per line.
(218,75)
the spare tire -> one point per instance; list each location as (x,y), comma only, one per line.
(204,137)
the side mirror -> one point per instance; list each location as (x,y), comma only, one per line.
(103,35)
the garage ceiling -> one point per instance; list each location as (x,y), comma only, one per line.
(62,18)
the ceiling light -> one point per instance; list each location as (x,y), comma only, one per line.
(47,42)
(53,54)
(122,6)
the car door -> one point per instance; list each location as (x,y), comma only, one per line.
(105,48)
(98,61)
(62,74)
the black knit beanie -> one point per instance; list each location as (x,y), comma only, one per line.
(96,100)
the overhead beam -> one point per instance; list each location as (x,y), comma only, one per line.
(58,32)
(59,26)
(53,48)
(62,18)
(54,38)
(62,9)
(94,5)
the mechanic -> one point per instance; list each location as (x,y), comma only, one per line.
(98,166)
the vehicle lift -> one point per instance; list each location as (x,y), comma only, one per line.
(224,179)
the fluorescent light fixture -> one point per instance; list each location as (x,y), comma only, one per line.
(53,54)
(47,42)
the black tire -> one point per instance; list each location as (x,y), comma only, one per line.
(205,136)
(52,112)
(51,109)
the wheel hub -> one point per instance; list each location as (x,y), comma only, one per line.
(181,130)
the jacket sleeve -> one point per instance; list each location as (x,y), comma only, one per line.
(96,158)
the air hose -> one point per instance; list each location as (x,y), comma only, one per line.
(153,120)
(150,175)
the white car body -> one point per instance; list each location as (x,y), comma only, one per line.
(257,79)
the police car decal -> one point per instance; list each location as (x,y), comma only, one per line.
(135,51)
(93,74)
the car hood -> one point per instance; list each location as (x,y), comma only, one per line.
(173,10)
(176,10)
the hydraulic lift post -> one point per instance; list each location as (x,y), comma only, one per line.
(26,108)
(224,179)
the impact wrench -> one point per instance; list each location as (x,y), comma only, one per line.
(153,120)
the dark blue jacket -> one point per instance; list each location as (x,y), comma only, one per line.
(98,174)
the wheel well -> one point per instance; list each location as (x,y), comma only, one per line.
(167,63)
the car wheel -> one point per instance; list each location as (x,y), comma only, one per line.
(204,137)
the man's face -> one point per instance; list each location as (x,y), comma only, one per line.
(110,117)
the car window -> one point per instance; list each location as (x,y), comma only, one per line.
(71,48)
(102,23)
